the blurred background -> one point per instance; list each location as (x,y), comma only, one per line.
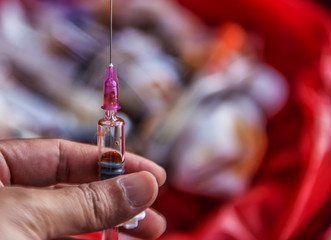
(224,95)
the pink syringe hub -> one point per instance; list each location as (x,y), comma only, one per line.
(110,89)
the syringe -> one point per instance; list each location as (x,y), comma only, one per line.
(111,140)
(111,143)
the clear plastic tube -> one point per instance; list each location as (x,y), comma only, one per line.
(110,234)
(111,144)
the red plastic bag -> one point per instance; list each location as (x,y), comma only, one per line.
(291,194)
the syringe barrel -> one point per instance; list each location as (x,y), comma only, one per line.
(111,145)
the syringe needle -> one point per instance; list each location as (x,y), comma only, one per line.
(110,31)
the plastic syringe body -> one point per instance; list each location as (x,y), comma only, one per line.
(111,143)
(111,140)
(111,146)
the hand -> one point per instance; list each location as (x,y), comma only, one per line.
(41,212)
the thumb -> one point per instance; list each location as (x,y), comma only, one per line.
(85,208)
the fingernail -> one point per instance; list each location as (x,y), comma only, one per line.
(138,188)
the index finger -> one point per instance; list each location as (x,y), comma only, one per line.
(43,162)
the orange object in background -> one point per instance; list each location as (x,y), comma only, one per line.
(290,197)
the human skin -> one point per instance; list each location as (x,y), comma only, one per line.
(33,205)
